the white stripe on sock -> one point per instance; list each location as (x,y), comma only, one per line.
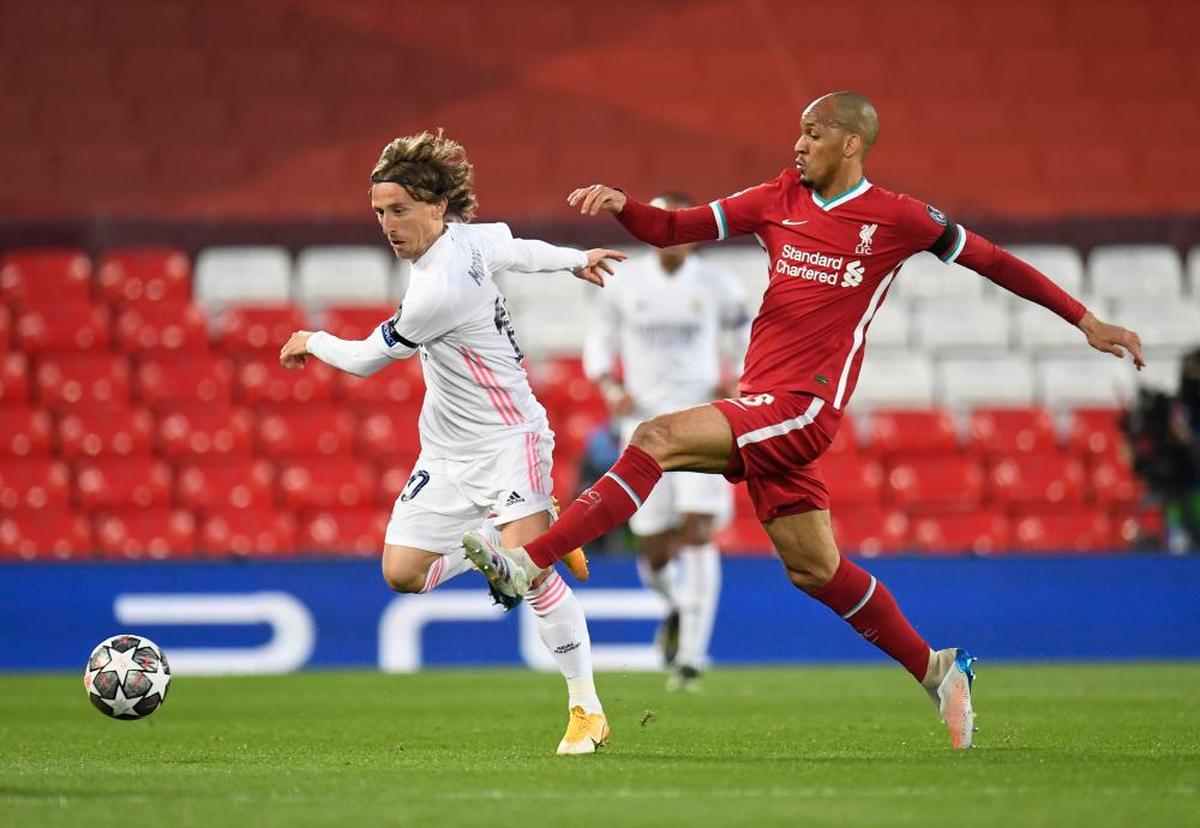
(863,602)
(637,502)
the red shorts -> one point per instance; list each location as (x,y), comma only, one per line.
(777,438)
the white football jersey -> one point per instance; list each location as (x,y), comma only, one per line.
(667,330)
(454,316)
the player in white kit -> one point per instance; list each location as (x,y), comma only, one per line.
(670,319)
(485,442)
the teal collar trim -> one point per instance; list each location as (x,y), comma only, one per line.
(854,192)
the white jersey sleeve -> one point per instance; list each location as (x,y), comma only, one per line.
(429,311)
(361,357)
(503,252)
(603,339)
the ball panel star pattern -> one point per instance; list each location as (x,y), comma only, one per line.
(127,677)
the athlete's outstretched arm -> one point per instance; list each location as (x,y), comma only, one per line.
(653,225)
(533,256)
(1012,274)
(361,357)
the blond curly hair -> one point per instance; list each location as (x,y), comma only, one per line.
(431,168)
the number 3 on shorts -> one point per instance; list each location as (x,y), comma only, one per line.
(756,400)
(414,485)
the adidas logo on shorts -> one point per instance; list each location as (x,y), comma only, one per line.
(513,500)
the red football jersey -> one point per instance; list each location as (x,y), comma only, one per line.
(832,263)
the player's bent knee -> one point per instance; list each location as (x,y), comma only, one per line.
(401,577)
(809,576)
(655,437)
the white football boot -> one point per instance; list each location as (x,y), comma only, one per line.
(948,682)
(509,571)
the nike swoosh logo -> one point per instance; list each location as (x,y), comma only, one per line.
(791,223)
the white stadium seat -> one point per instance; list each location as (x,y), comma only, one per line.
(1162,371)
(1096,380)
(924,276)
(1161,323)
(550,311)
(1061,263)
(1002,380)
(890,327)
(748,262)
(894,381)
(232,275)
(962,325)
(1135,270)
(343,275)
(1040,331)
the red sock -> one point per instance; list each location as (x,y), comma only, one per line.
(610,501)
(866,605)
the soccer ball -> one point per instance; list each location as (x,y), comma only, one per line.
(127,677)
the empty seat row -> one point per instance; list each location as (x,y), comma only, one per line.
(98,484)
(320,276)
(166,533)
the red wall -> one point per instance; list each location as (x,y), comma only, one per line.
(278,108)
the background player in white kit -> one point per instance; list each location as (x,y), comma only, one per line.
(670,319)
(485,442)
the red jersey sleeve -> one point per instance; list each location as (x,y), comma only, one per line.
(928,229)
(744,212)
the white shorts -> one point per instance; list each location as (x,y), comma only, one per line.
(444,499)
(679,494)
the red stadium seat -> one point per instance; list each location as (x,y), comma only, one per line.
(1095,431)
(565,480)
(44,535)
(344,531)
(248,532)
(394,385)
(161,327)
(93,378)
(45,277)
(572,431)
(846,441)
(264,381)
(168,377)
(1027,480)
(853,480)
(389,432)
(306,431)
(200,428)
(912,432)
(743,536)
(943,483)
(145,533)
(1002,431)
(978,532)
(91,431)
(14,378)
(327,483)
(224,483)
(34,483)
(120,482)
(259,327)
(393,473)
(24,432)
(139,275)
(353,321)
(561,386)
(6,327)
(1113,482)
(82,326)
(1063,530)
(870,532)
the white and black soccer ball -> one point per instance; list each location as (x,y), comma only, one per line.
(127,677)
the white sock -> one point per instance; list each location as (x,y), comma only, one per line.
(699,591)
(563,630)
(662,581)
(455,562)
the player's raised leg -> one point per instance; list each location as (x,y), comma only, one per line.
(407,569)
(806,546)
(563,629)
(695,439)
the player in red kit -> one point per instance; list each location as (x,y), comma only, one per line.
(836,244)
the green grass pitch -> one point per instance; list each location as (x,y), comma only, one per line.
(1057,746)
